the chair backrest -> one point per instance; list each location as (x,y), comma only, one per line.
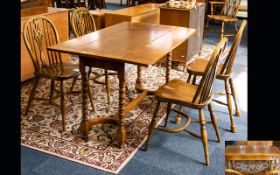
(227,67)
(230,8)
(82,22)
(206,82)
(40,33)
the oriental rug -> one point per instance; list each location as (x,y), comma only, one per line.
(41,129)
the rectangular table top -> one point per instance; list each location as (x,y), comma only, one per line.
(252,152)
(135,43)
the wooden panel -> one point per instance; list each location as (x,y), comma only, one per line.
(135,43)
(145,13)
(251,152)
(60,19)
(111,19)
(151,17)
(253,143)
(99,17)
(191,18)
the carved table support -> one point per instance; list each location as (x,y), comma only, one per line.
(168,66)
(139,77)
(84,124)
(121,130)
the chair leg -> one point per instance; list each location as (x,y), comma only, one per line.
(89,71)
(32,93)
(90,97)
(233,92)
(189,78)
(73,83)
(204,136)
(214,121)
(107,84)
(205,28)
(194,80)
(233,128)
(222,30)
(152,126)
(62,105)
(167,114)
(178,117)
(236,28)
(51,90)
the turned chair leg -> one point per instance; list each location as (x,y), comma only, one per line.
(32,93)
(205,28)
(62,106)
(51,91)
(236,28)
(233,128)
(222,30)
(214,121)
(89,71)
(167,114)
(152,126)
(194,80)
(73,83)
(107,84)
(178,117)
(189,78)
(233,92)
(204,136)
(90,94)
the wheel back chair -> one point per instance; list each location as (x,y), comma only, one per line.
(83,23)
(40,33)
(227,15)
(193,96)
(225,73)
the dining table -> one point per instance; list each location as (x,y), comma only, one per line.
(256,155)
(111,48)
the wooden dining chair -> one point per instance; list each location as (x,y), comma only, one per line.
(193,96)
(227,15)
(83,23)
(225,73)
(40,33)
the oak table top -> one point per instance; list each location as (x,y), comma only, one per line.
(110,48)
(135,43)
(252,152)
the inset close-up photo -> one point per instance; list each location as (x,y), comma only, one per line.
(252,157)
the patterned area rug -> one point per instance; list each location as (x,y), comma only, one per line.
(41,129)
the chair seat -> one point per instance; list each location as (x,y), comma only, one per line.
(60,71)
(222,18)
(179,92)
(198,66)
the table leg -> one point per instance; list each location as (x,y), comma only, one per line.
(84,122)
(168,66)
(122,88)
(139,77)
